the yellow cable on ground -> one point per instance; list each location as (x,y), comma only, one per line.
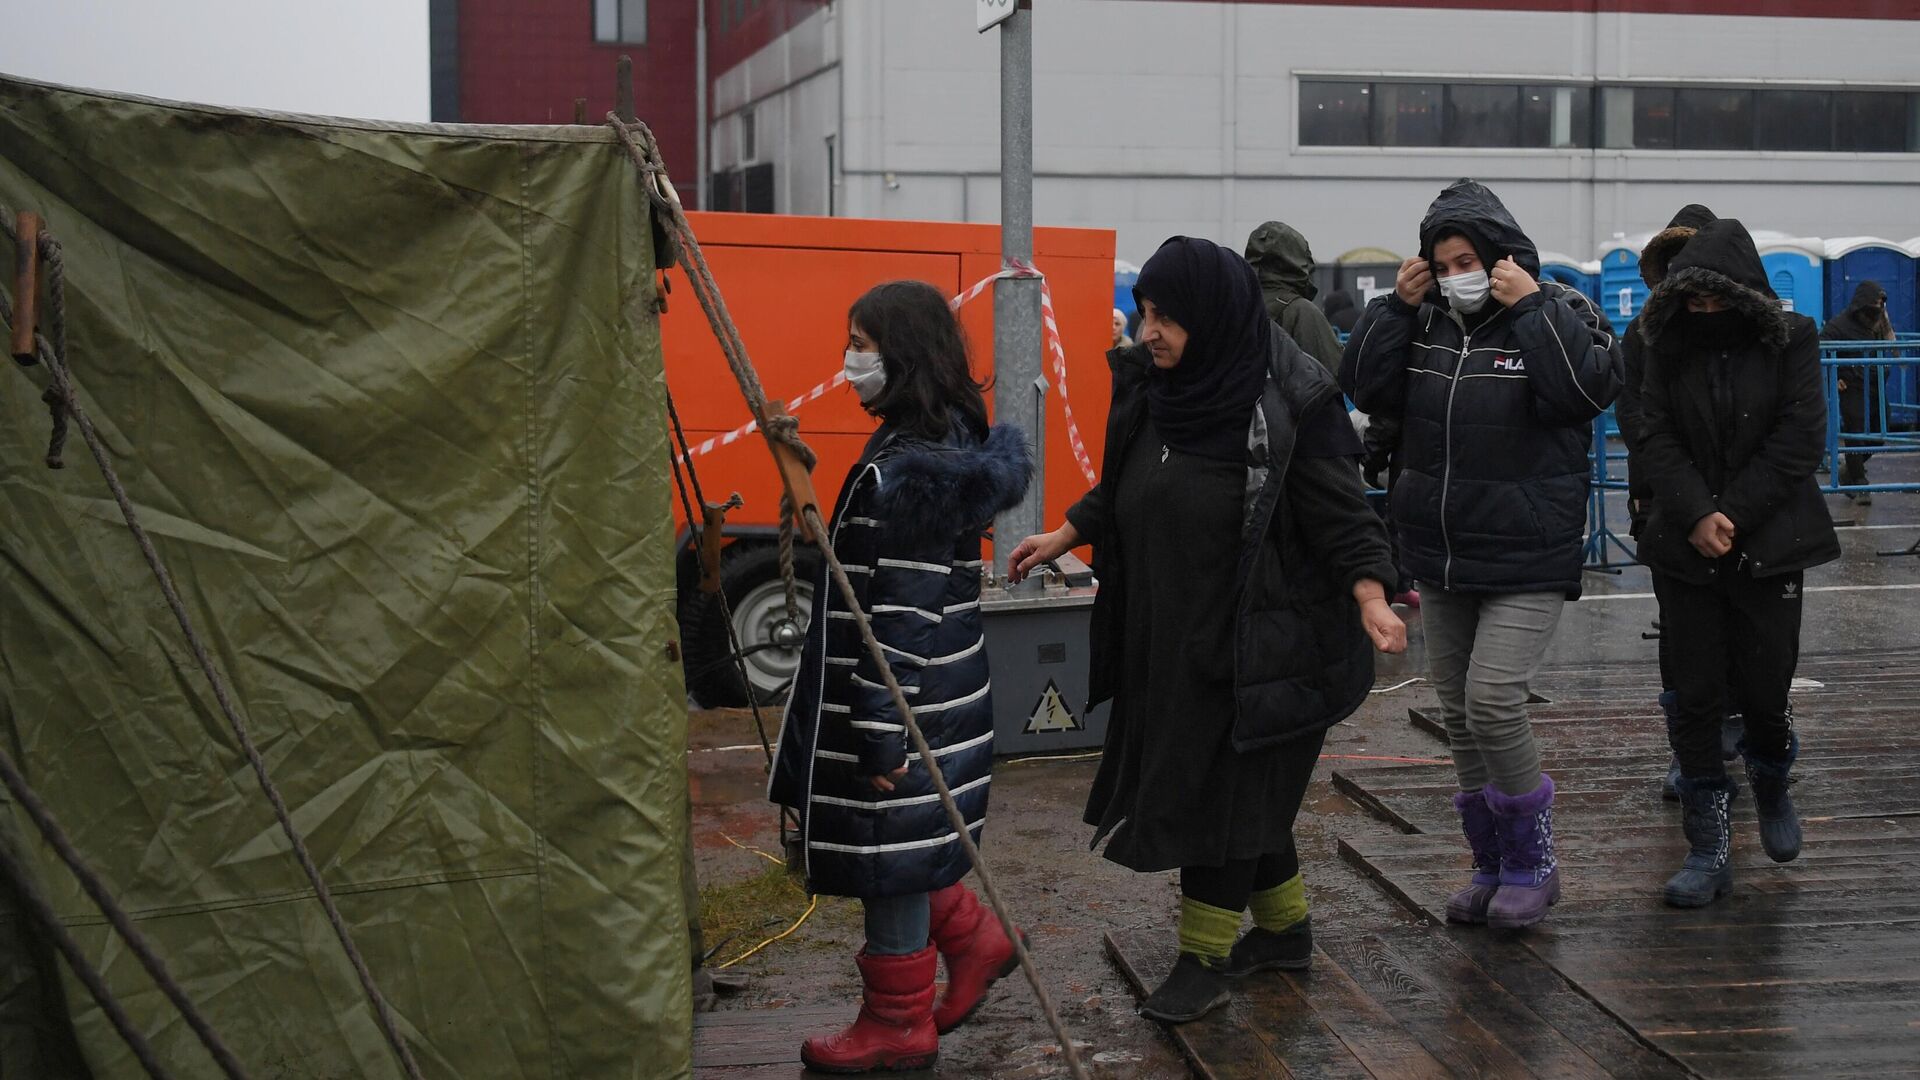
(796,925)
(774,859)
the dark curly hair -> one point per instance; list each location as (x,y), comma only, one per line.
(925,355)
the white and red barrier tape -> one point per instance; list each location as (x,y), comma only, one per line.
(1051,329)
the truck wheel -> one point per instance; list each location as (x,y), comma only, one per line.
(769,642)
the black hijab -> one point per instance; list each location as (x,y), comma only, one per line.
(1204,405)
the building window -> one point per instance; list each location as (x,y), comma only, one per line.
(1335,113)
(1483,115)
(1496,115)
(1794,119)
(1653,118)
(1869,122)
(748,137)
(1712,118)
(1556,116)
(1407,114)
(620,22)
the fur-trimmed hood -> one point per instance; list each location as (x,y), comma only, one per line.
(1719,260)
(931,489)
(1667,242)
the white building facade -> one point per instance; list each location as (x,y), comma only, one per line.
(1156,117)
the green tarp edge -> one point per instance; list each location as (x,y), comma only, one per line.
(390,399)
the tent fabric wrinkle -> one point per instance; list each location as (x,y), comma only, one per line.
(389,399)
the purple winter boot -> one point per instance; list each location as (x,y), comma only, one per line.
(1469,905)
(1529,874)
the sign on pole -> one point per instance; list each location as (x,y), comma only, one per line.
(988,14)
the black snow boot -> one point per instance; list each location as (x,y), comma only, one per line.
(1731,731)
(1707,874)
(1272,950)
(1193,989)
(1779,824)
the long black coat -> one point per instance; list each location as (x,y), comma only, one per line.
(1737,424)
(1491,492)
(907,527)
(1302,661)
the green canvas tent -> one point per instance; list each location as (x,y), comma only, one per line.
(390,399)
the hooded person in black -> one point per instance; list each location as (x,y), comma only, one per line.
(1341,310)
(1654,257)
(1242,575)
(1865,319)
(1496,377)
(1734,426)
(1284,263)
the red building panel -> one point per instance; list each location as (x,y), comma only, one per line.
(525,61)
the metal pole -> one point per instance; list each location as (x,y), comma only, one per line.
(700,131)
(1019,393)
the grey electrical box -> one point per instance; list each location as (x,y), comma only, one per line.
(1037,650)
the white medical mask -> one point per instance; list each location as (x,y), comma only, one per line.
(1467,293)
(865,374)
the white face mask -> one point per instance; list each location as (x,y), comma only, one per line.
(1467,293)
(865,374)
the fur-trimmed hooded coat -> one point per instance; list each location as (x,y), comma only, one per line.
(907,526)
(1733,415)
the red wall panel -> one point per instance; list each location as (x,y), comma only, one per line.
(524,61)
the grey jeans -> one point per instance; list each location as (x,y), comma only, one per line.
(1482,651)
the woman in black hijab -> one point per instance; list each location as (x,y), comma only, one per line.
(1241,577)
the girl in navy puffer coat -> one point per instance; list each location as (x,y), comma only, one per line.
(907,526)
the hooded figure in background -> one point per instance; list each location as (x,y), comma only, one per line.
(1284,263)
(1865,319)
(1734,425)
(1341,310)
(1242,575)
(1496,377)
(1654,258)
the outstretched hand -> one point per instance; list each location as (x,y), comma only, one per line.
(1039,549)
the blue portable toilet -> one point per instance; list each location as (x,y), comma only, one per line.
(1622,293)
(1794,268)
(1854,259)
(1568,271)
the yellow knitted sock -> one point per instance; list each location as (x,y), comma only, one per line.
(1281,906)
(1207,931)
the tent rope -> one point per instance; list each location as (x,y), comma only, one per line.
(61,386)
(783,430)
(14,867)
(696,529)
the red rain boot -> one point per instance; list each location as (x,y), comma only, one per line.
(977,951)
(894,1031)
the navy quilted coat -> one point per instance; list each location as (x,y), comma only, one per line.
(1497,415)
(908,527)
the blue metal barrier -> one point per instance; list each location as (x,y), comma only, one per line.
(1892,412)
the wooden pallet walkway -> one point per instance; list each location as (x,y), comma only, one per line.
(1811,968)
(1808,969)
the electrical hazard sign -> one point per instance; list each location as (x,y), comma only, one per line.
(1050,713)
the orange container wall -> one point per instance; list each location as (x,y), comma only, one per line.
(788,282)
